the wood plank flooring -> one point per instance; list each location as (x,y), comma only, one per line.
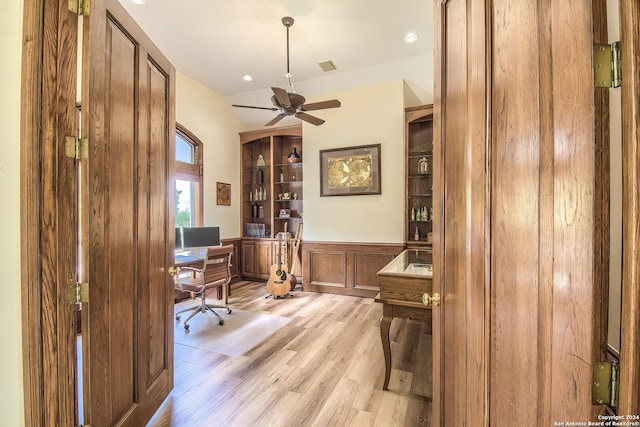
(324,368)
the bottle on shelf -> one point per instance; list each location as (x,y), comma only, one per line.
(251,196)
(413,214)
(423,165)
(416,236)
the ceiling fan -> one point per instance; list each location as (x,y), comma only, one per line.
(289,103)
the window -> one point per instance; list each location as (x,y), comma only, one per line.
(188,178)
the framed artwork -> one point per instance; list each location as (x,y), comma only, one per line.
(223,194)
(350,171)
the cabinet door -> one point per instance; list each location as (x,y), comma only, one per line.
(249,259)
(264,251)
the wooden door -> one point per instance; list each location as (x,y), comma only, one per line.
(519,232)
(460,326)
(128,224)
(629,402)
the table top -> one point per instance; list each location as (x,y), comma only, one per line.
(187,259)
(411,263)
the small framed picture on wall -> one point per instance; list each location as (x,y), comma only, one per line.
(223,194)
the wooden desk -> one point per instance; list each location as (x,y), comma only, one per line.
(402,283)
(188,261)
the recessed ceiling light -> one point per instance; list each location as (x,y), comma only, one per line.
(139,1)
(410,37)
(247,78)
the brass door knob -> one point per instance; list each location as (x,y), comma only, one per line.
(431,300)
(173,271)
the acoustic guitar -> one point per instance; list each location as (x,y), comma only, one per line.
(279,283)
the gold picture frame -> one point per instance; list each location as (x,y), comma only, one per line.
(223,193)
(350,171)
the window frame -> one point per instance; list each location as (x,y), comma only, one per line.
(192,171)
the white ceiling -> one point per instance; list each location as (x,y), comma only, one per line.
(216,42)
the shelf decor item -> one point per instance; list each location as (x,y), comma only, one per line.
(294,157)
(350,171)
(423,165)
(260,163)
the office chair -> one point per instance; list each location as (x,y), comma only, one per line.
(215,273)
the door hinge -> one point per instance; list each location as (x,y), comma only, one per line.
(77,148)
(77,293)
(604,387)
(607,69)
(80,7)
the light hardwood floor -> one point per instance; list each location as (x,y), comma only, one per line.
(324,368)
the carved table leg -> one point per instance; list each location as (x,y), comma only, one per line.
(385,324)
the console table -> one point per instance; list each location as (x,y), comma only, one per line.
(402,283)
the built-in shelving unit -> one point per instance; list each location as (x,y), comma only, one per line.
(272,197)
(419,176)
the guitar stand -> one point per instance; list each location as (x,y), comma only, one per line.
(280,296)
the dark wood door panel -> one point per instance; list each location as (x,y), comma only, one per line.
(129,116)
(119,220)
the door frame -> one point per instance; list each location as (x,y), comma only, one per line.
(48,255)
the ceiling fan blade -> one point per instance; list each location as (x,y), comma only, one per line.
(257,108)
(334,103)
(282,96)
(275,120)
(309,118)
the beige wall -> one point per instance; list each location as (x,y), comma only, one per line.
(207,115)
(11,401)
(371,114)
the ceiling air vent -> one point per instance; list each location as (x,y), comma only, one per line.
(327,66)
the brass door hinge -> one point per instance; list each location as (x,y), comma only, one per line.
(78,293)
(604,388)
(607,69)
(77,148)
(80,7)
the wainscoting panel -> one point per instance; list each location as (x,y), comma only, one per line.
(345,268)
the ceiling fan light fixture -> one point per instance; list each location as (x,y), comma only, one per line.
(410,37)
(289,103)
(294,157)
